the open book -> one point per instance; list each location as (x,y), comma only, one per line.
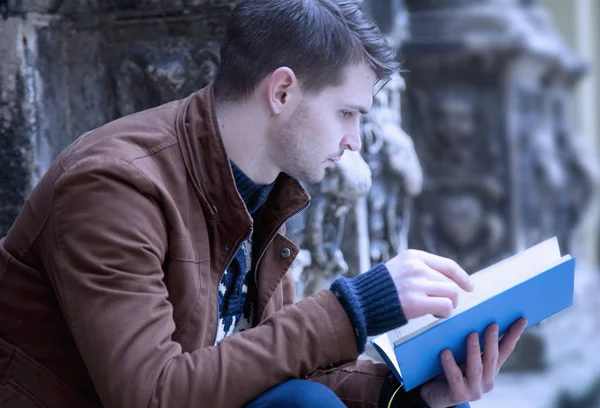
(534,284)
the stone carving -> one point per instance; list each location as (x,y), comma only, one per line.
(18,124)
(320,230)
(459,217)
(148,76)
(582,180)
(481,114)
(542,176)
(580,167)
(397,173)
(106,59)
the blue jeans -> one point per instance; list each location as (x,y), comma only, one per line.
(298,394)
(302,394)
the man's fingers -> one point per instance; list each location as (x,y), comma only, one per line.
(509,340)
(447,290)
(456,382)
(436,276)
(440,307)
(449,268)
(474,367)
(490,358)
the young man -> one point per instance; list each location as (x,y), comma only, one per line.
(148,267)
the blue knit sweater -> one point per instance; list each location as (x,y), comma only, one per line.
(370,299)
(237,289)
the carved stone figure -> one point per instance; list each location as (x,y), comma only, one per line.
(397,173)
(542,176)
(458,215)
(462,229)
(148,76)
(453,134)
(320,229)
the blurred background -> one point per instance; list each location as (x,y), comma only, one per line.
(486,143)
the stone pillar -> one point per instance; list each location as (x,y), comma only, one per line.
(69,66)
(575,155)
(479,106)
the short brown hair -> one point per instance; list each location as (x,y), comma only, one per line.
(317,39)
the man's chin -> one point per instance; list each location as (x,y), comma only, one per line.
(313,177)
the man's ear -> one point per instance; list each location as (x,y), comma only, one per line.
(281,89)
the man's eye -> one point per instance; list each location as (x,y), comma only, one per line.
(347,114)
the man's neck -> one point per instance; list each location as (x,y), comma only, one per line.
(254,195)
(244,134)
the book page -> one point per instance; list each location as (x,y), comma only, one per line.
(489,282)
(385,345)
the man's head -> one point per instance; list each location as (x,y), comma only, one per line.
(312,65)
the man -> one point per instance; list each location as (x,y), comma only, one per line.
(148,267)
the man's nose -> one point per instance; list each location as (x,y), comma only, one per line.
(352,141)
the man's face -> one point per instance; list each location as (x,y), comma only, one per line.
(322,126)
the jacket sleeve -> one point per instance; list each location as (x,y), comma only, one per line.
(289,289)
(111,241)
(357,385)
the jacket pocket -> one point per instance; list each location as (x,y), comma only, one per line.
(188,251)
(4,259)
(27,384)
(13,395)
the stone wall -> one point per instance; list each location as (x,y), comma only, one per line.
(70,66)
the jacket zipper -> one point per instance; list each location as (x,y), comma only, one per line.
(229,260)
(272,237)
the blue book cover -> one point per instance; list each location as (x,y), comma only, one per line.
(534,284)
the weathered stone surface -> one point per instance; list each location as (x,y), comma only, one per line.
(18,122)
(322,229)
(69,67)
(486,103)
(397,174)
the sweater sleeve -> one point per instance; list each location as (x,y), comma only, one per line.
(371,302)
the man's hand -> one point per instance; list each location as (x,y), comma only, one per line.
(481,370)
(427,284)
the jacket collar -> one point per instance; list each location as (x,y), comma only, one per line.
(208,166)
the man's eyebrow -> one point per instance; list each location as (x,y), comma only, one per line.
(359,108)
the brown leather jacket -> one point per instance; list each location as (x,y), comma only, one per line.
(108,279)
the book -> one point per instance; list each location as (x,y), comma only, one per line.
(535,283)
